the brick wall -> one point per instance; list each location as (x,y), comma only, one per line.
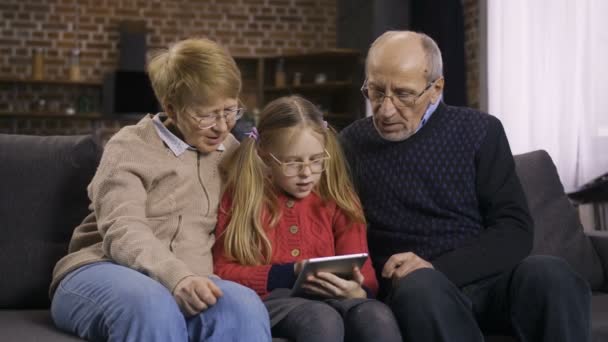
(471,39)
(246,27)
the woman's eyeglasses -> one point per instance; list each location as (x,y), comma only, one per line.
(208,120)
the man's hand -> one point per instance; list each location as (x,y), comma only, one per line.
(331,286)
(402,264)
(195,294)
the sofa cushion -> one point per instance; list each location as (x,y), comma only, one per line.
(43,198)
(31,325)
(599,317)
(557,228)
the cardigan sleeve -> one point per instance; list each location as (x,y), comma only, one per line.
(119,197)
(350,238)
(508,234)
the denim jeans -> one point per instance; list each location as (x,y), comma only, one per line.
(108,302)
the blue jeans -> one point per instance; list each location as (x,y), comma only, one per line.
(108,302)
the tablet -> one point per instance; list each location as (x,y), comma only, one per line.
(340,265)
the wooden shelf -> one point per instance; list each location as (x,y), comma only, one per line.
(49,115)
(327,86)
(50,81)
(322,54)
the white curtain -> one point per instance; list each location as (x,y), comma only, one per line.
(548,81)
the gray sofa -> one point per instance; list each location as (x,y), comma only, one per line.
(43,197)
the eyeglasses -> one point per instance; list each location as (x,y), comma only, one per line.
(403,99)
(208,120)
(291,169)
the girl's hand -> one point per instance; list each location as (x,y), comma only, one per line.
(331,286)
(297,267)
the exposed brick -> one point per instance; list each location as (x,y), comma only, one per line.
(12,42)
(237,17)
(36,8)
(471,23)
(8,7)
(24,25)
(54,26)
(39,43)
(127,12)
(246,27)
(64,9)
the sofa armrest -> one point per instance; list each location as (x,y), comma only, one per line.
(599,240)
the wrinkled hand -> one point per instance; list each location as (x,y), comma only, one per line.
(195,294)
(402,264)
(331,286)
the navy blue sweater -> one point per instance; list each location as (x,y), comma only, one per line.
(449,193)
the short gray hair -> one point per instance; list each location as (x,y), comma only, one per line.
(431,50)
(433,58)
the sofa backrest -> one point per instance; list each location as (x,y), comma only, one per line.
(43,198)
(557,228)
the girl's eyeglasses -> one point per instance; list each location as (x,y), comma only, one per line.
(291,169)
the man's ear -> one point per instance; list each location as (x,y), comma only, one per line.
(437,90)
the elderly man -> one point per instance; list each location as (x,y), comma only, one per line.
(449,228)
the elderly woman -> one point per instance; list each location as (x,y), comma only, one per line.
(139,267)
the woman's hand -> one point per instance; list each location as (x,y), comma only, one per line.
(331,286)
(195,294)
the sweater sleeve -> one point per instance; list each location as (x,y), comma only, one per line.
(119,197)
(262,278)
(508,228)
(351,238)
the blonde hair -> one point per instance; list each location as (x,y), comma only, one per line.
(254,199)
(193,71)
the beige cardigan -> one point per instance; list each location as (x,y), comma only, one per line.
(151,210)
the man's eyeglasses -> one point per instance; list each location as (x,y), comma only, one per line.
(399,99)
(291,169)
(208,120)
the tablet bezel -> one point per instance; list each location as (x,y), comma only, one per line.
(340,265)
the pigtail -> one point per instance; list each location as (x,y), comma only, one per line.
(245,240)
(336,183)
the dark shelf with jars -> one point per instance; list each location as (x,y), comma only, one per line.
(324,77)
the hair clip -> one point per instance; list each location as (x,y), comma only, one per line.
(325,124)
(254,134)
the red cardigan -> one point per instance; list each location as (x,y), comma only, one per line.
(308,228)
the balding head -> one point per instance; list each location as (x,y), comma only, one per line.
(403,77)
(396,50)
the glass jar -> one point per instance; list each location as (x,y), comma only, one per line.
(75,65)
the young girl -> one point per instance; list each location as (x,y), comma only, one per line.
(289,198)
